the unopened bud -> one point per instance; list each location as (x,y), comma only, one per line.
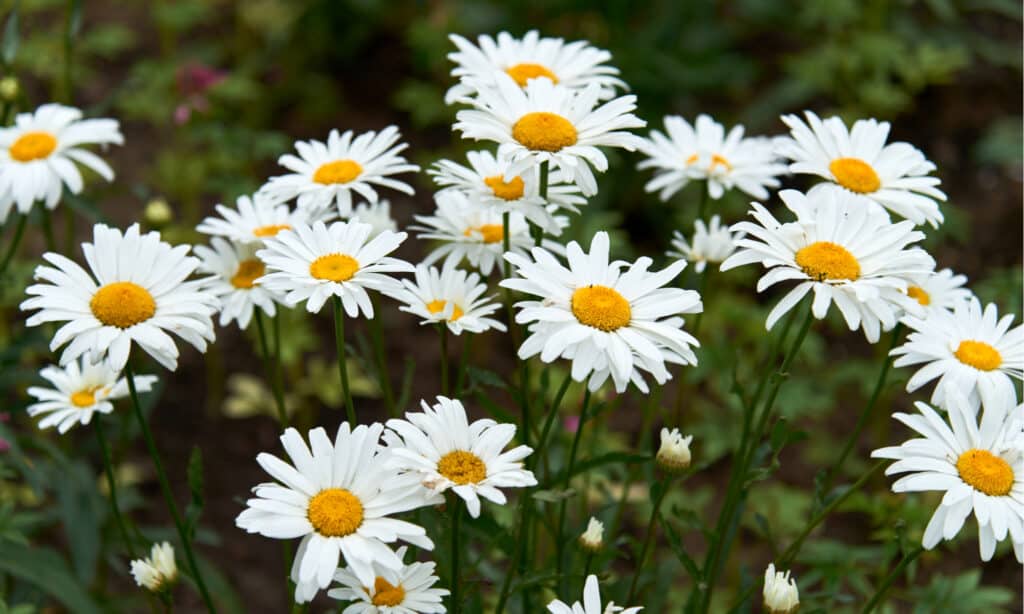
(674,454)
(780,592)
(158,213)
(9,88)
(593,538)
(157,572)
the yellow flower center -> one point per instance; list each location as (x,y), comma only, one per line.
(719,160)
(601,307)
(339,171)
(521,73)
(33,146)
(385,593)
(826,260)
(247,273)
(986,472)
(493,233)
(918,293)
(979,355)
(122,304)
(85,397)
(541,131)
(462,467)
(855,175)
(270,230)
(334,267)
(437,306)
(335,512)
(507,190)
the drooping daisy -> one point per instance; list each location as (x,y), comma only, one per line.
(236,269)
(712,243)
(409,590)
(338,497)
(848,254)
(894,176)
(135,291)
(446,451)
(314,263)
(326,173)
(574,65)
(80,389)
(941,290)
(158,571)
(547,123)
(38,155)
(704,152)
(977,464)
(591,602)
(255,219)
(451,296)
(967,349)
(608,318)
(377,215)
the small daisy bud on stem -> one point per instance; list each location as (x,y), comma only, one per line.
(593,538)
(780,592)
(158,213)
(674,454)
(9,89)
(157,572)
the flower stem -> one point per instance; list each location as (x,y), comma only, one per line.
(460,375)
(51,243)
(665,484)
(442,332)
(112,485)
(19,232)
(559,541)
(549,421)
(456,603)
(377,338)
(339,339)
(275,385)
(907,559)
(538,231)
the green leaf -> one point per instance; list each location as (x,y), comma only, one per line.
(49,572)
(553,496)
(79,507)
(676,543)
(10,44)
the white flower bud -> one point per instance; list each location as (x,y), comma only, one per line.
(780,593)
(674,454)
(593,538)
(158,571)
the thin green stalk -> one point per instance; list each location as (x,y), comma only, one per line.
(703,296)
(70,30)
(51,243)
(442,331)
(275,387)
(506,584)
(19,232)
(907,559)
(112,486)
(339,340)
(559,541)
(665,484)
(538,232)
(460,375)
(506,247)
(455,601)
(704,197)
(377,338)
(549,421)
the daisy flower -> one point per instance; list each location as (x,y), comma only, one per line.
(377,215)
(968,349)
(846,253)
(451,296)
(254,219)
(441,447)
(941,290)
(895,176)
(158,571)
(326,173)
(781,595)
(80,389)
(236,269)
(591,602)
(574,65)
(338,497)
(409,590)
(544,122)
(609,318)
(38,155)
(704,152)
(711,243)
(314,263)
(977,465)
(135,291)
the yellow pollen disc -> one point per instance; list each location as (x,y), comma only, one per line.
(122,304)
(919,295)
(693,158)
(85,397)
(601,307)
(339,171)
(334,267)
(335,512)
(979,355)
(493,233)
(825,260)
(717,159)
(543,131)
(385,593)
(855,175)
(270,230)
(511,190)
(437,306)
(986,472)
(462,467)
(248,271)
(33,146)
(521,73)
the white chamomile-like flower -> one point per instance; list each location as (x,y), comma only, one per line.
(591,602)
(38,155)
(450,296)
(377,215)
(712,243)
(894,175)
(574,65)
(968,349)
(780,592)
(592,539)
(314,263)
(674,454)
(608,318)
(338,497)
(547,123)
(326,173)
(977,464)
(705,152)
(409,590)
(940,290)
(135,292)
(445,450)
(80,389)
(235,269)
(254,219)
(848,254)
(158,571)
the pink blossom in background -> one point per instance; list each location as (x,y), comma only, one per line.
(194,79)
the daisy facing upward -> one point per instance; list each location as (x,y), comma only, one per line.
(409,590)
(449,296)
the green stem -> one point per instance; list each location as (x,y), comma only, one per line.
(19,232)
(549,421)
(339,340)
(112,485)
(649,537)
(704,197)
(907,559)
(377,338)
(506,584)
(559,541)
(460,375)
(51,243)
(703,289)
(442,331)
(70,26)
(456,581)
(538,232)
(282,412)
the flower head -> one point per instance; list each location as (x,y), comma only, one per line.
(235,269)
(939,290)
(591,602)
(255,219)
(157,572)
(377,215)
(712,243)
(593,538)
(674,453)
(450,296)
(780,593)
(408,590)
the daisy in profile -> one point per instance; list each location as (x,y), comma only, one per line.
(968,349)
(158,571)
(574,65)
(409,590)
(451,296)
(712,243)
(80,389)
(978,465)
(608,318)
(328,173)
(338,497)
(38,155)
(591,602)
(442,448)
(704,152)
(377,215)
(135,292)
(894,175)
(254,219)
(940,290)
(235,269)
(547,123)
(314,263)
(848,254)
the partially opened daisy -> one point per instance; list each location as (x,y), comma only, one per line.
(940,290)
(328,173)
(704,152)
(591,602)
(235,270)
(450,296)
(254,219)
(134,292)
(894,175)
(445,450)
(338,497)
(80,389)
(608,318)
(38,155)
(848,254)
(409,590)
(712,243)
(544,122)
(377,215)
